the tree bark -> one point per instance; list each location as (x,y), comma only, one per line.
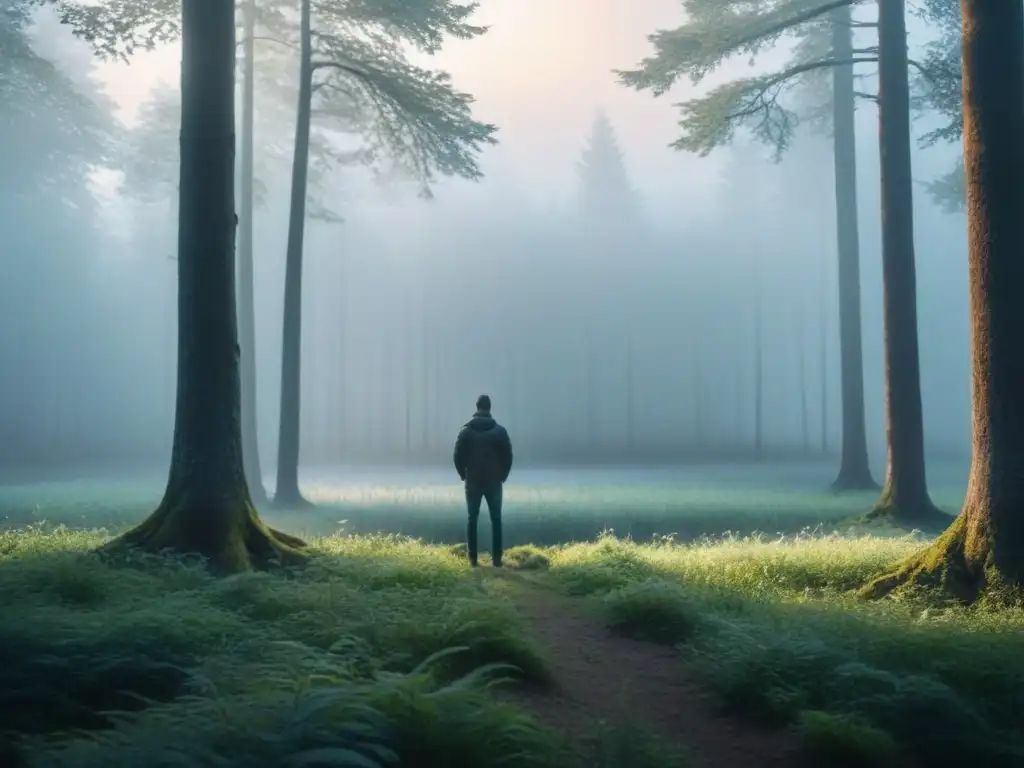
(984,547)
(287,493)
(246,293)
(854,469)
(904,498)
(206,508)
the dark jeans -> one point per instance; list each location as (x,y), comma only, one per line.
(474,496)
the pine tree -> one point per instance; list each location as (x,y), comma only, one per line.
(605,190)
(714,32)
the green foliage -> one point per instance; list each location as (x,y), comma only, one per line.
(118,29)
(410,118)
(845,742)
(653,611)
(381,653)
(780,635)
(938,87)
(63,128)
(716,32)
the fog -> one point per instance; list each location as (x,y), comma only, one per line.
(600,338)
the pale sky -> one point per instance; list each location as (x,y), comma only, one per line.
(540,74)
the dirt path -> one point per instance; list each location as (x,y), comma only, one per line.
(601,676)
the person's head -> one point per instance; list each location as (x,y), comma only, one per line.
(483,404)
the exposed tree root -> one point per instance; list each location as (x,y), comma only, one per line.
(231,540)
(943,566)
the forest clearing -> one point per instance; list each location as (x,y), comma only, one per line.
(742,650)
(766,501)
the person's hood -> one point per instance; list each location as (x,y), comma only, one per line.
(481,422)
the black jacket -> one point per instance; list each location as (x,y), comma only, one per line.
(483,451)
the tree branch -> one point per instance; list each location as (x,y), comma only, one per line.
(788,74)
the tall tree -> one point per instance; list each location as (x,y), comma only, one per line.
(353,67)
(984,547)
(246,276)
(287,491)
(700,46)
(824,30)
(904,495)
(854,468)
(206,507)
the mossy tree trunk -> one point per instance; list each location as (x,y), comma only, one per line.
(984,547)
(287,493)
(206,507)
(246,292)
(904,498)
(854,469)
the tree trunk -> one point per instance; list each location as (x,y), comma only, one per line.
(984,547)
(854,469)
(904,497)
(246,292)
(287,493)
(206,507)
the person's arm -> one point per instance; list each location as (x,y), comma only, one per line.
(506,450)
(459,454)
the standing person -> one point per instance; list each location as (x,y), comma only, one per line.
(483,459)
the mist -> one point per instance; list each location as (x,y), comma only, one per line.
(600,339)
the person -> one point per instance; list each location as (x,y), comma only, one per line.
(483,459)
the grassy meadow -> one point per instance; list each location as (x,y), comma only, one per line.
(389,651)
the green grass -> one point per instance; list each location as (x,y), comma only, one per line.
(350,662)
(381,652)
(773,628)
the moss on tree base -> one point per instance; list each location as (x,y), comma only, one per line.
(232,540)
(942,566)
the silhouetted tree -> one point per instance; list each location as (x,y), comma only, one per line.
(984,547)
(904,495)
(206,507)
(825,45)
(697,48)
